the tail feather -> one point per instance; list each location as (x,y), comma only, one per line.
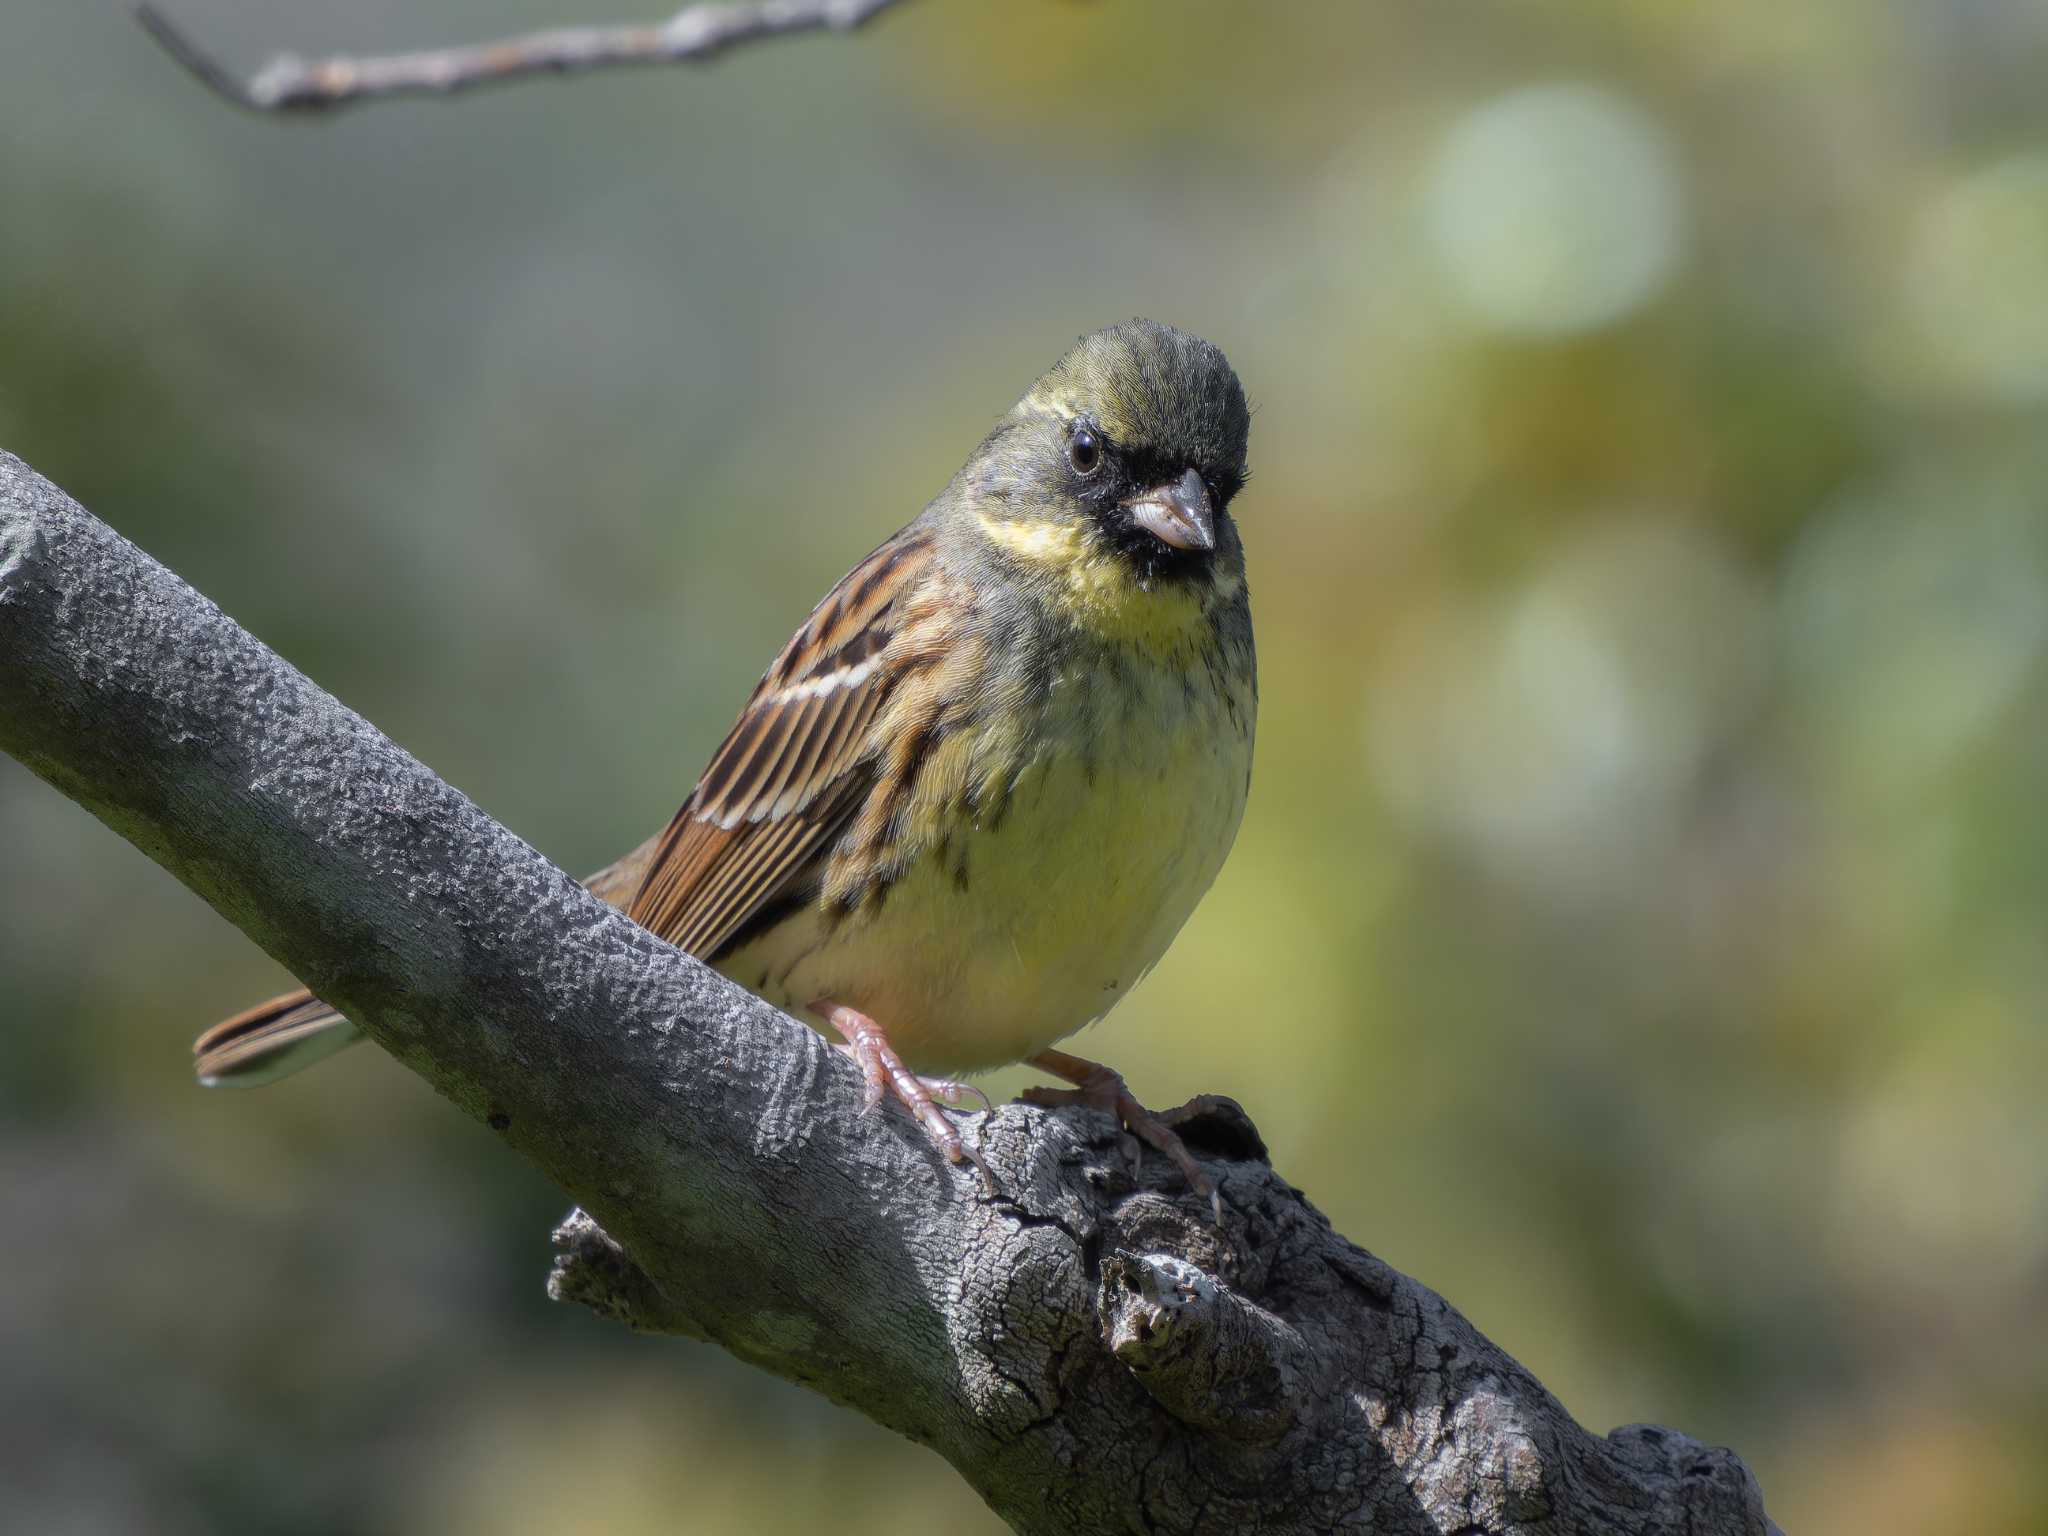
(277,1038)
(269,1041)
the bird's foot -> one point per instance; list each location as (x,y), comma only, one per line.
(1100,1087)
(885,1074)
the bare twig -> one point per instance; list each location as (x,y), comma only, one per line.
(696,33)
(1086,1347)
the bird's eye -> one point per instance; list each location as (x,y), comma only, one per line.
(1084,451)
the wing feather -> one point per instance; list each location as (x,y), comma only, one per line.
(796,735)
(795,767)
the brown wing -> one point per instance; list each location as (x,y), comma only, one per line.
(791,773)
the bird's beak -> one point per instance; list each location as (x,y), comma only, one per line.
(1178,513)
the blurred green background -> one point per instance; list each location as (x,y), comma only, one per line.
(1639,931)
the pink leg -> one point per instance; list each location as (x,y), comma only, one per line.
(1099,1087)
(884,1072)
(954,1094)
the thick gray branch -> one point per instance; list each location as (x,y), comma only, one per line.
(1088,1352)
(696,33)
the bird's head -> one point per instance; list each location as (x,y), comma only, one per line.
(1126,454)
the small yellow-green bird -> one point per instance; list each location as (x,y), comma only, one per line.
(988,779)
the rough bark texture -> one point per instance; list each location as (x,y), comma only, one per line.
(1088,1351)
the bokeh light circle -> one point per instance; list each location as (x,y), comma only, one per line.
(1556,209)
(1977,280)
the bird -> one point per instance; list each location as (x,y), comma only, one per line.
(977,794)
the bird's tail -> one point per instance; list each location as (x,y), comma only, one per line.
(269,1041)
(277,1038)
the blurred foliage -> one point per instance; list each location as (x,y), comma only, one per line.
(1640,928)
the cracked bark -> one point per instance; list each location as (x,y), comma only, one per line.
(1087,1351)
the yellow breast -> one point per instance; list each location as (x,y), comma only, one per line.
(1031,914)
(1099,591)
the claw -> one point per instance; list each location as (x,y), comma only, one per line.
(883,1071)
(964,1097)
(872,1071)
(1099,1087)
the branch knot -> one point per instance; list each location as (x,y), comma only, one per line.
(1209,1355)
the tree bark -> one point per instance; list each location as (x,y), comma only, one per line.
(694,35)
(1084,1346)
